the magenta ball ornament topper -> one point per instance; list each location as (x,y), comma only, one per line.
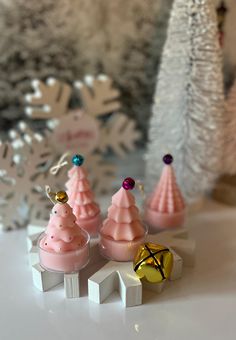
(168,159)
(128,183)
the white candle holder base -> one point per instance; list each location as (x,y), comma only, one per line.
(120,276)
(177,269)
(36,227)
(179,241)
(153,287)
(72,286)
(32,240)
(44,280)
(113,276)
(33,256)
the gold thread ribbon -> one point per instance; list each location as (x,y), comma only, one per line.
(140,186)
(50,194)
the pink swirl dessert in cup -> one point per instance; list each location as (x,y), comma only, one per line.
(64,247)
(122,232)
(165,207)
(81,197)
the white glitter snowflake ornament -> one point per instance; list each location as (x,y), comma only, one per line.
(20,192)
(24,171)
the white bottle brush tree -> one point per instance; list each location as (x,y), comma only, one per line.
(188,112)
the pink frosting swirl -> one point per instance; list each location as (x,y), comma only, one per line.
(123,222)
(62,233)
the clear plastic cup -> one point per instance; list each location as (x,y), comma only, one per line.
(121,251)
(67,262)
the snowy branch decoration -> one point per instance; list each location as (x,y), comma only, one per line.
(130,55)
(187,118)
(33,51)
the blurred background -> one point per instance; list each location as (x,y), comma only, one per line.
(68,39)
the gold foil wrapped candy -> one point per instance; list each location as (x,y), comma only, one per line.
(153,262)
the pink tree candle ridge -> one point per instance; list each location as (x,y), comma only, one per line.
(123,231)
(165,207)
(81,197)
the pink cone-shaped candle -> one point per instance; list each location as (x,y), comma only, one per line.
(81,197)
(122,232)
(64,246)
(165,207)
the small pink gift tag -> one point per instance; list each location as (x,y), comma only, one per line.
(76,132)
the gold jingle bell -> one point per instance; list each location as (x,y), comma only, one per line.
(153,263)
(61,197)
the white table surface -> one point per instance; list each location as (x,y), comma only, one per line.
(201,305)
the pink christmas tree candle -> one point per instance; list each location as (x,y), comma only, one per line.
(81,197)
(122,232)
(64,247)
(165,207)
